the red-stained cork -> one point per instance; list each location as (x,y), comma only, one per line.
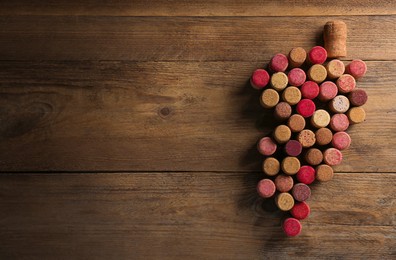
(327,91)
(309,90)
(358,97)
(301,192)
(283,182)
(279,63)
(306,107)
(332,156)
(346,83)
(259,79)
(339,122)
(357,68)
(293,148)
(323,136)
(282,111)
(300,210)
(335,35)
(306,174)
(317,55)
(297,57)
(266,188)
(335,68)
(292,227)
(296,77)
(341,140)
(266,146)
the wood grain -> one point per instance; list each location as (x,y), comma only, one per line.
(184,38)
(189,215)
(160,116)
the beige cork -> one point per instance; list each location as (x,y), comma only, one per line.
(291,95)
(271,166)
(297,57)
(269,98)
(323,136)
(279,81)
(339,104)
(296,123)
(356,115)
(324,172)
(320,118)
(314,156)
(284,201)
(306,138)
(317,73)
(290,165)
(335,69)
(282,134)
(335,36)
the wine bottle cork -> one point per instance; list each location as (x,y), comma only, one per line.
(296,123)
(310,90)
(301,192)
(327,91)
(279,81)
(296,77)
(269,98)
(300,210)
(290,165)
(307,138)
(341,140)
(332,156)
(320,118)
(297,57)
(358,97)
(266,146)
(284,201)
(357,69)
(317,73)
(335,35)
(339,104)
(291,227)
(346,83)
(259,79)
(339,122)
(323,136)
(283,182)
(293,148)
(356,115)
(291,95)
(324,172)
(282,134)
(279,63)
(314,156)
(335,68)
(266,188)
(282,111)
(317,55)
(306,174)
(271,166)
(306,107)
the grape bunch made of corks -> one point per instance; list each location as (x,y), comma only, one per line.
(315,99)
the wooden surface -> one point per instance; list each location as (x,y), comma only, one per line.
(128,130)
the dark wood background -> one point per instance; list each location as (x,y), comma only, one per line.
(128,131)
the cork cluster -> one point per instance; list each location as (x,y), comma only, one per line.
(315,100)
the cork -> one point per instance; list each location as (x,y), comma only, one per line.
(290,165)
(341,140)
(335,36)
(279,63)
(307,138)
(266,188)
(271,166)
(282,111)
(310,90)
(339,104)
(269,98)
(324,172)
(293,148)
(291,227)
(323,136)
(284,201)
(259,79)
(327,91)
(335,68)
(358,97)
(356,115)
(296,77)
(291,95)
(266,146)
(317,55)
(332,156)
(339,122)
(279,81)
(306,174)
(346,83)
(282,134)
(317,73)
(306,107)
(296,123)
(301,192)
(283,182)
(297,57)
(314,156)
(300,210)
(357,69)
(320,118)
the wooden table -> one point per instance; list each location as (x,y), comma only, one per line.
(128,131)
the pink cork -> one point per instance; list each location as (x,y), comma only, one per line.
(301,192)
(296,77)
(346,83)
(279,63)
(327,91)
(266,146)
(332,156)
(339,122)
(300,210)
(341,140)
(317,55)
(357,68)
(306,107)
(306,174)
(283,182)
(309,90)
(266,188)
(292,227)
(358,97)
(293,148)
(259,79)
